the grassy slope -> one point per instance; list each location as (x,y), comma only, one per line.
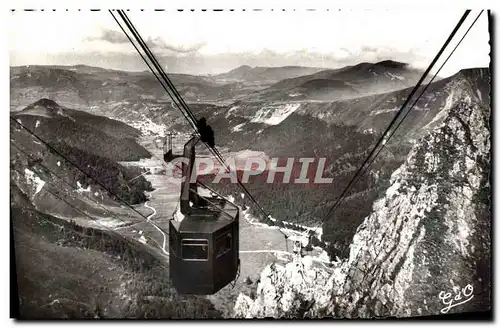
(106,140)
(65,271)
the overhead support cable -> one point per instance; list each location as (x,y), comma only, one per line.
(383,139)
(177,98)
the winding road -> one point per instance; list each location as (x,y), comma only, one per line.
(272,251)
(150,216)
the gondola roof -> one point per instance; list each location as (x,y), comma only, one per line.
(207,222)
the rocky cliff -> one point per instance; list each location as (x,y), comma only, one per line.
(423,250)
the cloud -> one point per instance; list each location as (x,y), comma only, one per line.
(158,44)
(110,36)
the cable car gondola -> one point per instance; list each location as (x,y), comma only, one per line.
(204,244)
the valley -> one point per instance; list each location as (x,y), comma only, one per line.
(260,244)
(111,124)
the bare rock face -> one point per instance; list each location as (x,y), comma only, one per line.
(431,231)
(424,250)
(291,291)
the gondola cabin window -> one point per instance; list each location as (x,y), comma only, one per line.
(194,250)
(223,244)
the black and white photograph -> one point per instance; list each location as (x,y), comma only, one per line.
(250,163)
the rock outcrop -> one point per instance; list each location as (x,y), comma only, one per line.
(289,291)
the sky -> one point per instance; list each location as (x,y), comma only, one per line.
(213,42)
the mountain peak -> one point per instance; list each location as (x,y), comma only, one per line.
(391,64)
(381,66)
(45,102)
(483,72)
(242,68)
(45,106)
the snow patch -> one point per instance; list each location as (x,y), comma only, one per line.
(110,222)
(231,110)
(238,127)
(383,111)
(80,188)
(274,115)
(394,76)
(36,182)
(37,124)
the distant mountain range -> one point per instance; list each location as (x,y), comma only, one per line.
(266,74)
(85,86)
(348,82)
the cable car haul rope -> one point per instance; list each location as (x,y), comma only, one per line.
(386,136)
(383,141)
(210,221)
(167,84)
